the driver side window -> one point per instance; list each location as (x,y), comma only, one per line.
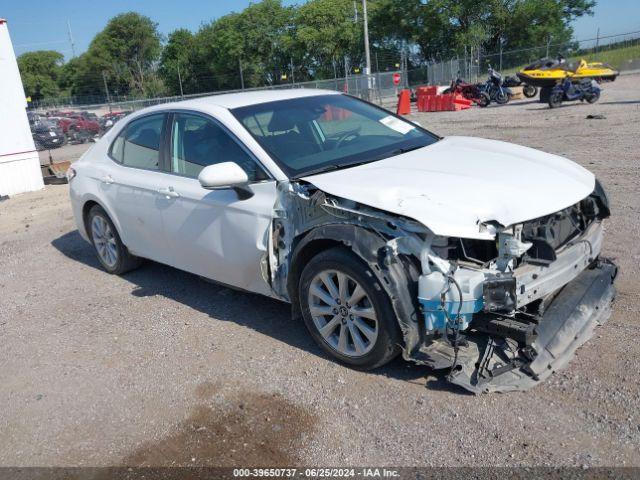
(197,142)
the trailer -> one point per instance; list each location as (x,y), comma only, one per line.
(19,160)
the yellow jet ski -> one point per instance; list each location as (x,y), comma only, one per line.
(547,72)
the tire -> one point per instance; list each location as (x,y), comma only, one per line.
(502,98)
(529,91)
(483,100)
(555,99)
(593,98)
(340,266)
(112,253)
(545,93)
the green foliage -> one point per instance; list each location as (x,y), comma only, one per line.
(443,28)
(40,71)
(267,37)
(325,32)
(258,38)
(124,53)
(176,62)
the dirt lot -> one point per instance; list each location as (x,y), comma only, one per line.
(161,368)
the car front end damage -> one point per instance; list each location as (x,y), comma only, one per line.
(498,313)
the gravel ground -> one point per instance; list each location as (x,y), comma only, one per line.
(161,368)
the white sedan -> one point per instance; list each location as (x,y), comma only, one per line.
(471,255)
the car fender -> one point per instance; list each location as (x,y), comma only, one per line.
(396,274)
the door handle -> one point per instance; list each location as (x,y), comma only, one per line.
(168,192)
(108,179)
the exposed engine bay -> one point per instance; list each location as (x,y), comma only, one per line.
(499,313)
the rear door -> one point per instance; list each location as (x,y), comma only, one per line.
(215,233)
(133,183)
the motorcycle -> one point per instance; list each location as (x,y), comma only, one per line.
(566,90)
(495,89)
(470,92)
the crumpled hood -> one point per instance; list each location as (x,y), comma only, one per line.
(457,183)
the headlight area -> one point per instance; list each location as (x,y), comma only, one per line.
(503,315)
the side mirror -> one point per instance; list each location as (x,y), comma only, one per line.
(226,175)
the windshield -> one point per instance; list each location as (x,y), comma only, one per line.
(325,132)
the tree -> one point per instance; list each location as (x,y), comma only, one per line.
(442,28)
(257,38)
(176,62)
(326,32)
(40,72)
(126,52)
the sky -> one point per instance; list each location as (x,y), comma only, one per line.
(36,25)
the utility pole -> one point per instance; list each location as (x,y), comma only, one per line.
(106,89)
(73,44)
(367,53)
(180,82)
(346,74)
(241,75)
(597,40)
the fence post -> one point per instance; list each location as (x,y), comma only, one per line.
(292,77)
(106,89)
(241,74)
(180,81)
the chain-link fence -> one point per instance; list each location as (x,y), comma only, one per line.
(622,51)
(375,87)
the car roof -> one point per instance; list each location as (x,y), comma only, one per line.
(243,99)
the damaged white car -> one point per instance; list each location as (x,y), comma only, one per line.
(474,256)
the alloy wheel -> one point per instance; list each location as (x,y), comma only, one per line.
(104,240)
(343,313)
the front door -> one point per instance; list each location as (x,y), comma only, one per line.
(216,233)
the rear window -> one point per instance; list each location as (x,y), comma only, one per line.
(138,145)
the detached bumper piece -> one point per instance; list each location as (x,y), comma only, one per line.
(502,353)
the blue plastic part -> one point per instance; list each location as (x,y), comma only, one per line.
(436,320)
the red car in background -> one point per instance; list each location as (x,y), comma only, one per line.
(77,124)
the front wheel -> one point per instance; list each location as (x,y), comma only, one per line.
(112,253)
(593,97)
(347,311)
(555,99)
(502,97)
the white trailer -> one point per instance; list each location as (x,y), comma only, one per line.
(19,160)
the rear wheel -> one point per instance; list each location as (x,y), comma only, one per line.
(529,91)
(347,311)
(483,99)
(112,253)
(555,99)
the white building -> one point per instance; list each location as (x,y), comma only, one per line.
(19,161)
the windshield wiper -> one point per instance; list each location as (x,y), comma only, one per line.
(315,171)
(399,151)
